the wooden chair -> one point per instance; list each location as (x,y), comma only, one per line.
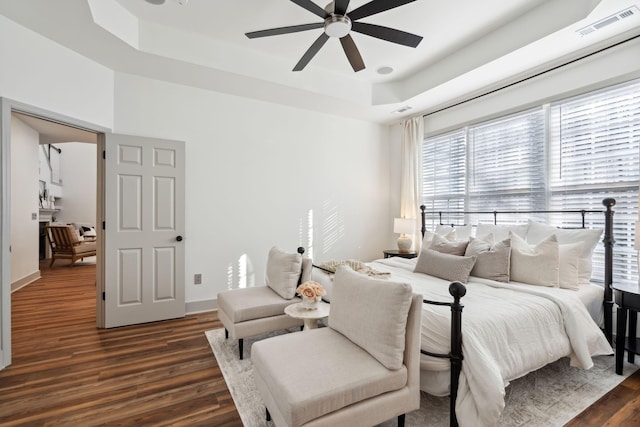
(66,244)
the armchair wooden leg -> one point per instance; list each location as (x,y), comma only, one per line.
(401,420)
(226,334)
(268,414)
(240,347)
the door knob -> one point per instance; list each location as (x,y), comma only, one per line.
(179,238)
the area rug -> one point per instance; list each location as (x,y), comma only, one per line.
(550,396)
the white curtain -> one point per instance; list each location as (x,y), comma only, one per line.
(410,184)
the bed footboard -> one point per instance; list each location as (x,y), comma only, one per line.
(457,291)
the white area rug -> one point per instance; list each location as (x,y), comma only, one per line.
(550,396)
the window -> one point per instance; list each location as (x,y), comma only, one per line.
(567,155)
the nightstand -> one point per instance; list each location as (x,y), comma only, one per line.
(627,298)
(394,252)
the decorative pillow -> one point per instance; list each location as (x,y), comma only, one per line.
(535,265)
(589,236)
(89,232)
(428,236)
(501,232)
(372,313)
(456,247)
(492,259)
(444,266)
(569,265)
(283,272)
(75,234)
(463,232)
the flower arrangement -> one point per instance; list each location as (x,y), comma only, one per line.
(311,292)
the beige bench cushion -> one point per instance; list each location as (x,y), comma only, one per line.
(245,304)
(85,247)
(336,379)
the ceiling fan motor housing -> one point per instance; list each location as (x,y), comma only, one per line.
(337,26)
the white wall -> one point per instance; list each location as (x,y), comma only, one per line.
(78,173)
(24,200)
(260,175)
(39,72)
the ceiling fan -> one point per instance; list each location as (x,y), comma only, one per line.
(338,25)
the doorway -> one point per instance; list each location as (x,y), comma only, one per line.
(51,126)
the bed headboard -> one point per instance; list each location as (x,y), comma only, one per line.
(607,241)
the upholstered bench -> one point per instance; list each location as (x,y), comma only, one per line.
(360,371)
(257,310)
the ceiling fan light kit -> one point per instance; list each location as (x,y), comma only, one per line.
(339,24)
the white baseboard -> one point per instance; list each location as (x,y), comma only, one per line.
(193,307)
(21,283)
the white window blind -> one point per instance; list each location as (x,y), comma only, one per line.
(444,173)
(568,155)
(507,163)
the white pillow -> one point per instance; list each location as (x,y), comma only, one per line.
(463,232)
(372,313)
(283,272)
(589,236)
(534,264)
(569,265)
(501,232)
(428,236)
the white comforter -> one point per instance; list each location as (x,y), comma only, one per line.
(508,330)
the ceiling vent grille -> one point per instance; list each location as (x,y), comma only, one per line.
(608,21)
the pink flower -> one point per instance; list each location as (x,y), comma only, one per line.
(311,290)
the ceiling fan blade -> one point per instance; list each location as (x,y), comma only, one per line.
(284,30)
(340,7)
(376,6)
(311,52)
(352,52)
(312,7)
(388,34)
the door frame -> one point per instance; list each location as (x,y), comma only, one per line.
(7,106)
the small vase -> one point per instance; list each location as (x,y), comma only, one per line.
(309,304)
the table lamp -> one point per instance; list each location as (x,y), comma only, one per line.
(404,226)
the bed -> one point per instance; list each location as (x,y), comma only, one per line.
(510,328)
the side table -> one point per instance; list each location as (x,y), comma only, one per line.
(310,317)
(627,298)
(394,252)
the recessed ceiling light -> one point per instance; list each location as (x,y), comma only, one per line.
(156,1)
(385,70)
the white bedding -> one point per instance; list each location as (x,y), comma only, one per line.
(509,330)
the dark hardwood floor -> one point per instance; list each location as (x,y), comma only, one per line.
(66,372)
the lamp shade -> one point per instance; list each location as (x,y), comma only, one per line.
(403,225)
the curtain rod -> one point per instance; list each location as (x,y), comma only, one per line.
(532,76)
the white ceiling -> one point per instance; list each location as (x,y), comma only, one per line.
(469,46)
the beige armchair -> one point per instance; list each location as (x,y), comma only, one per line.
(257,310)
(361,370)
(66,243)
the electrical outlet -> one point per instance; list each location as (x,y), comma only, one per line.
(34,215)
(197,279)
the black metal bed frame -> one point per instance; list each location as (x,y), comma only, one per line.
(458,290)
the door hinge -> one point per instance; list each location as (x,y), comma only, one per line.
(103,296)
(104,225)
(104,154)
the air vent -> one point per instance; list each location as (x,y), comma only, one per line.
(608,21)
(402,109)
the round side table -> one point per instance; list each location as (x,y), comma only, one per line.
(310,317)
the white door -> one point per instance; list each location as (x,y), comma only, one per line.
(144,222)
